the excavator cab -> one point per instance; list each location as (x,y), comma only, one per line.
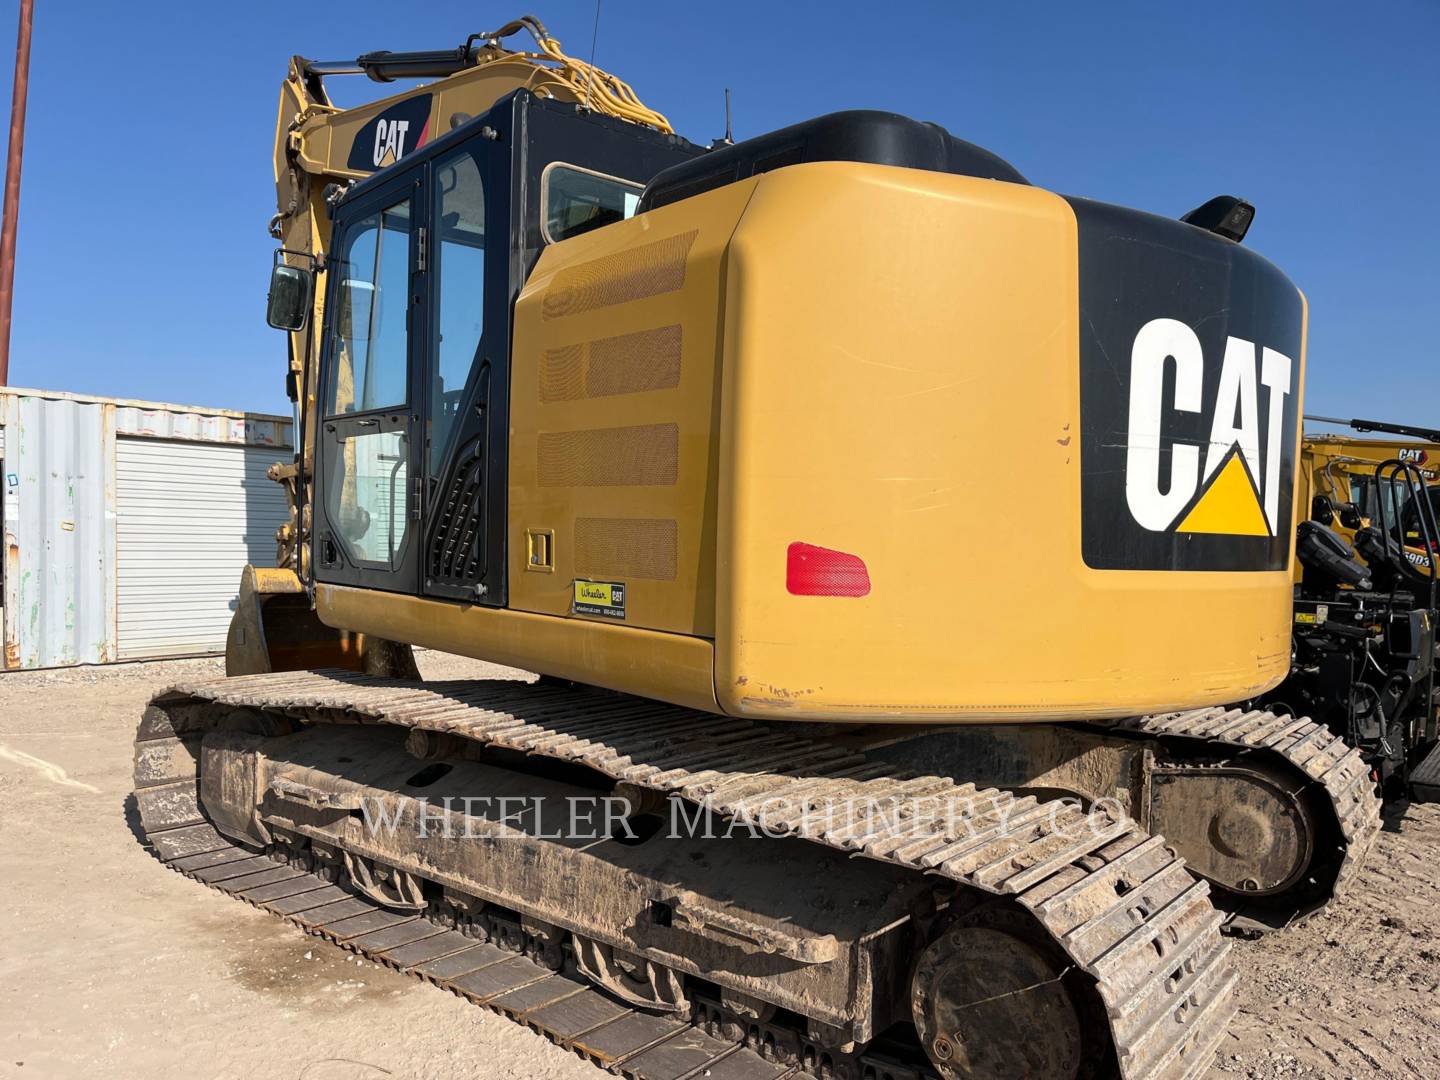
(427,257)
(410,430)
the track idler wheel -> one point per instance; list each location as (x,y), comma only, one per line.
(1244,827)
(992,1000)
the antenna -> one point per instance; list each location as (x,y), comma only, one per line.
(594,37)
(728,139)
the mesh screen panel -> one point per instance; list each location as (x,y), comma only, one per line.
(627,364)
(562,374)
(645,455)
(626,548)
(647,270)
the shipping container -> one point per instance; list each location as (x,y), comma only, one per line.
(126,524)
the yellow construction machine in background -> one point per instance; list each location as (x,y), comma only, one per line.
(1366,598)
(1342,469)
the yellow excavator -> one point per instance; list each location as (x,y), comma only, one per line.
(1341,469)
(1366,598)
(820,777)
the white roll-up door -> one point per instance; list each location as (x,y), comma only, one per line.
(190,515)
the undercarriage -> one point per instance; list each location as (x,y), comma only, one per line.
(672,893)
(1275,811)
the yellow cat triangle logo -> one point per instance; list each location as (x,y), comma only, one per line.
(1229,505)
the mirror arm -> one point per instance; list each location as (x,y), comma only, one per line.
(317,262)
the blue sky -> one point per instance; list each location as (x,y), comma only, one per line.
(143,255)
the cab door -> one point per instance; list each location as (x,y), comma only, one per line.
(466,374)
(368,497)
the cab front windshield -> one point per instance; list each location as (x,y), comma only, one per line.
(1400,510)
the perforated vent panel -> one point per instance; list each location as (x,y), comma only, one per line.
(626,548)
(646,455)
(648,270)
(627,364)
(562,374)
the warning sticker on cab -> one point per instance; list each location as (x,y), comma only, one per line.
(604,598)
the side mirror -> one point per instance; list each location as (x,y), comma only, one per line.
(288,305)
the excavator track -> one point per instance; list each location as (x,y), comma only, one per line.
(563,1009)
(1117,901)
(1340,790)
(1275,811)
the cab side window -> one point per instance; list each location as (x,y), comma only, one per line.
(577,200)
(459,292)
(367,482)
(369,336)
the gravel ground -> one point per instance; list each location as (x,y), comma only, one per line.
(116,968)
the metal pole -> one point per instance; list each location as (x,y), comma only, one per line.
(12,183)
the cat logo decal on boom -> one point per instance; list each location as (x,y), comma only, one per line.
(403,127)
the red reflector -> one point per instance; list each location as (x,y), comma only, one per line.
(818,571)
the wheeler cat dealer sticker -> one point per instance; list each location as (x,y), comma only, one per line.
(604,598)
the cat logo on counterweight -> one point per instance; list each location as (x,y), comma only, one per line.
(1231,484)
(1190,368)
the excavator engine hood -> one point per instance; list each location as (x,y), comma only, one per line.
(940,443)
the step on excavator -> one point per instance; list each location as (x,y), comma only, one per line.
(692,433)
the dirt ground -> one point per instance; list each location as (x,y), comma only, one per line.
(114,967)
